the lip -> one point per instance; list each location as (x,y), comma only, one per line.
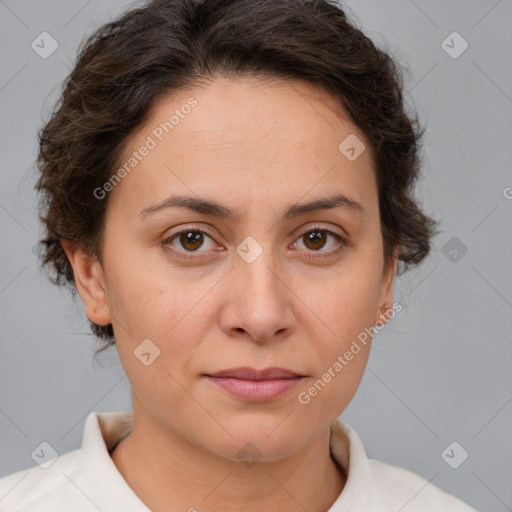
(255,385)
(247,373)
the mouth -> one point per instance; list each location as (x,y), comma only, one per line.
(255,385)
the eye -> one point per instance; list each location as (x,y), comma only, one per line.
(317,238)
(189,240)
(186,242)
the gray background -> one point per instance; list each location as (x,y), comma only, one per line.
(439,372)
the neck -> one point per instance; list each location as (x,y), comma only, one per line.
(171,473)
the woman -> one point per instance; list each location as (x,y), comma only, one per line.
(229,187)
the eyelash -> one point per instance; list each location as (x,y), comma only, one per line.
(343,242)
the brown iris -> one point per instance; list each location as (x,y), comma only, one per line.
(191,240)
(315,239)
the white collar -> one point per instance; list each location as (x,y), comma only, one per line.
(97,470)
(98,475)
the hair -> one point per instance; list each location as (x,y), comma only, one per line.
(166,46)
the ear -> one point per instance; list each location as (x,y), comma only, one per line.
(386,294)
(90,282)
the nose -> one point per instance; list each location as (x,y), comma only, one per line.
(259,303)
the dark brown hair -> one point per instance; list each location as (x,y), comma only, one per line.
(166,46)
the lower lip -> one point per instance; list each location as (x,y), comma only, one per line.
(255,390)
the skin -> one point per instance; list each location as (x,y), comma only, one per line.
(255,147)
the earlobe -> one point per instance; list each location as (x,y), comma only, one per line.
(90,282)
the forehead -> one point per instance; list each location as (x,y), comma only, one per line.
(253,111)
(237,137)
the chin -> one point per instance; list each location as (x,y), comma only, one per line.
(264,438)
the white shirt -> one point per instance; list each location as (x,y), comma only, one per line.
(87,480)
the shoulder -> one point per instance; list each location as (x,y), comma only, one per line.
(40,490)
(82,480)
(410,492)
(374,485)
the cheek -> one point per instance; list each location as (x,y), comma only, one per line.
(330,390)
(166,307)
(140,298)
(163,314)
(344,302)
(344,306)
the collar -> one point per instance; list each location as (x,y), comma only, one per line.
(102,431)
(360,492)
(99,476)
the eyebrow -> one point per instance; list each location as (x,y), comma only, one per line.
(207,207)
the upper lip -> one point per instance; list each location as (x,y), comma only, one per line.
(247,373)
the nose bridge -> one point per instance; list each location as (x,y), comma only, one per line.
(256,266)
(260,303)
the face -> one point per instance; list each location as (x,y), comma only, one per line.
(249,280)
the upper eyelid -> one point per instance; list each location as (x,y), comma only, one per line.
(210,231)
(207,231)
